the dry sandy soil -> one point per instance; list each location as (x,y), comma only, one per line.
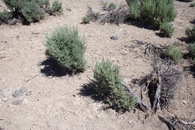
(54,102)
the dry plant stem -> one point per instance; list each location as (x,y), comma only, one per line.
(156,103)
(142,106)
(168,123)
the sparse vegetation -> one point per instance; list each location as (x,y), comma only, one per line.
(107,84)
(190,32)
(5,17)
(27,11)
(112,6)
(191,49)
(174,53)
(192,4)
(167,29)
(152,12)
(57,7)
(32,12)
(66,47)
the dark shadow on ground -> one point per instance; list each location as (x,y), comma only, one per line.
(190,69)
(139,24)
(51,68)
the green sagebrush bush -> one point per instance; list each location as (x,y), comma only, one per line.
(112,6)
(174,53)
(190,32)
(152,12)
(32,12)
(167,29)
(191,49)
(66,47)
(5,16)
(107,84)
(57,7)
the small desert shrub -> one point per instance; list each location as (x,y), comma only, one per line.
(167,29)
(86,19)
(191,49)
(107,84)
(112,6)
(190,32)
(32,12)
(152,12)
(5,16)
(185,0)
(174,53)
(192,4)
(43,3)
(57,7)
(66,47)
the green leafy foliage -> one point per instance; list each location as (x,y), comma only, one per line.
(190,32)
(112,6)
(43,3)
(191,49)
(167,29)
(152,12)
(107,84)
(32,12)
(28,11)
(5,16)
(57,7)
(174,53)
(66,47)
(192,4)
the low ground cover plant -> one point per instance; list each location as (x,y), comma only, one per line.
(166,29)
(66,47)
(190,32)
(174,53)
(107,84)
(28,11)
(152,12)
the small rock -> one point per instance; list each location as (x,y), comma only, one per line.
(29,93)
(25,101)
(114,37)
(16,102)
(16,93)
(184,102)
(7,92)
(23,90)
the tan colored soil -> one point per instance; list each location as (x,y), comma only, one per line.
(55,103)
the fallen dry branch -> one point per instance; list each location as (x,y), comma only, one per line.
(175,123)
(138,100)
(162,84)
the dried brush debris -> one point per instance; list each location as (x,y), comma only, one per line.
(175,123)
(162,83)
(110,15)
(116,16)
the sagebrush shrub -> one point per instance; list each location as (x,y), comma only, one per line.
(43,3)
(5,17)
(152,12)
(167,29)
(32,12)
(174,53)
(192,4)
(191,49)
(112,6)
(107,84)
(57,7)
(66,47)
(190,32)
